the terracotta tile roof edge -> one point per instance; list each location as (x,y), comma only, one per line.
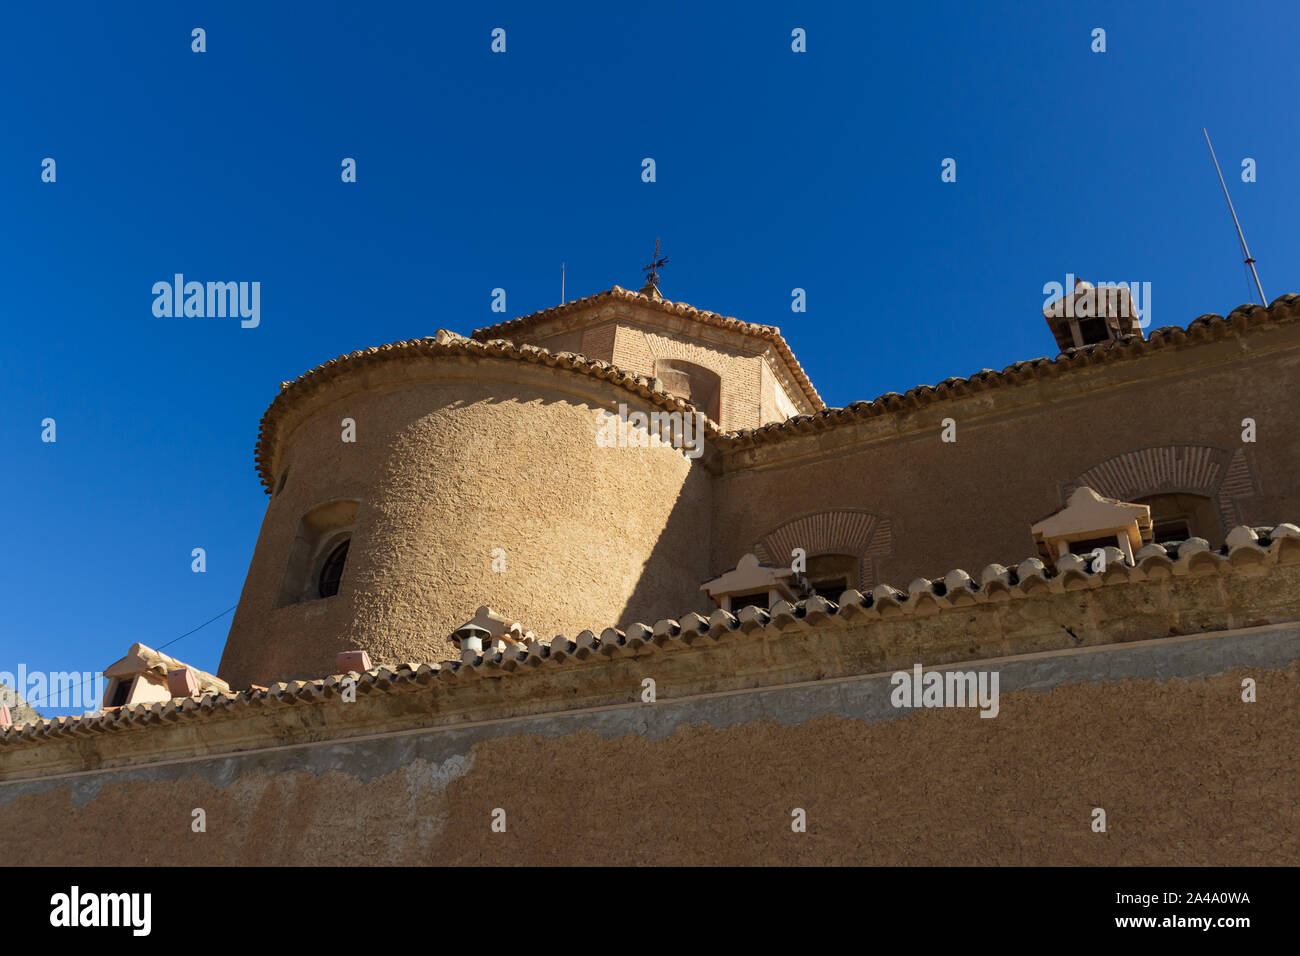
(1030,580)
(1283,309)
(770,333)
(446,343)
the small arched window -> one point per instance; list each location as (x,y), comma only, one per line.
(696,384)
(319,552)
(1177,517)
(331,571)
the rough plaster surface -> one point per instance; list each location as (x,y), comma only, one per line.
(455,458)
(1187,772)
(1188,775)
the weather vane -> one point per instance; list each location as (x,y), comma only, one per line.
(652,270)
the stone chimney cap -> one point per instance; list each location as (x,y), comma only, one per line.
(1088,516)
(154,667)
(749,574)
(490,624)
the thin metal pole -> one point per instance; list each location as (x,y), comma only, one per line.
(1240,236)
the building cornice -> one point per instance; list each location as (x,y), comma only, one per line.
(447,345)
(1244,320)
(766,333)
(1253,580)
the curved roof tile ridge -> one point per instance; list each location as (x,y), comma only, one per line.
(1246,548)
(1284,309)
(445,343)
(770,333)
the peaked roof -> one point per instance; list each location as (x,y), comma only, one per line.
(142,659)
(1089,511)
(768,333)
(748,574)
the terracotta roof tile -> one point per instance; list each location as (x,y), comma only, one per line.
(769,333)
(1206,328)
(1248,548)
(442,344)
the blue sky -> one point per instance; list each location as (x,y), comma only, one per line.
(476,170)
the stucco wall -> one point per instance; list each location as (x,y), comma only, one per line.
(455,457)
(1187,773)
(971,502)
(633,336)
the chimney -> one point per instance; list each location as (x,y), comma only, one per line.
(181,682)
(469,638)
(1088,522)
(488,630)
(1089,315)
(347,661)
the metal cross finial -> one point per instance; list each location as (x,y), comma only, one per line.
(652,270)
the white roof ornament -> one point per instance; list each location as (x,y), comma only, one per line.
(1088,517)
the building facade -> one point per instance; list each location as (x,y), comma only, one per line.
(476,476)
(474,630)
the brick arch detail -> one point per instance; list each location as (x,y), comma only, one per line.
(868,535)
(665,347)
(739,387)
(1216,473)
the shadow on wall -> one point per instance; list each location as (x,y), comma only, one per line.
(685,541)
(448,473)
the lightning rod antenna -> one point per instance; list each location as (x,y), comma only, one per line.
(1240,236)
